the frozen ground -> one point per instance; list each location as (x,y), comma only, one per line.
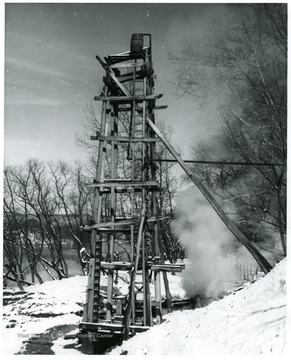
(42,314)
(249,321)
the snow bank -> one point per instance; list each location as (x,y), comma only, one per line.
(250,321)
(41,307)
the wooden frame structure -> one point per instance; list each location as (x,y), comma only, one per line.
(126,200)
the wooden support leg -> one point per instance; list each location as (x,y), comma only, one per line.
(90,292)
(168,294)
(130,300)
(157,275)
(109,295)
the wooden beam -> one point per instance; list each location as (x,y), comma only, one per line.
(161,107)
(157,282)
(117,82)
(96,327)
(168,267)
(130,300)
(126,139)
(120,54)
(125,57)
(103,64)
(128,65)
(128,189)
(117,265)
(88,311)
(114,231)
(264,264)
(128,98)
(121,183)
(129,77)
(111,223)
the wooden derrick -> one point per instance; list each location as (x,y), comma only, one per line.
(128,100)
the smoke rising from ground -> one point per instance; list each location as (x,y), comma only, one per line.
(207,242)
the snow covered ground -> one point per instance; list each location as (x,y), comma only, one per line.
(54,305)
(41,307)
(249,321)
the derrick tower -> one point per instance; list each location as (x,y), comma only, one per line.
(125,207)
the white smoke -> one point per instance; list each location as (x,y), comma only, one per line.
(207,242)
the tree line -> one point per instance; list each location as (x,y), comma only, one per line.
(48,204)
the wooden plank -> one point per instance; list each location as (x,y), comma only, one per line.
(114,157)
(125,57)
(129,190)
(168,267)
(264,264)
(157,280)
(96,327)
(128,65)
(111,223)
(116,265)
(103,64)
(130,76)
(161,107)
(127,139)
(90,291)
(117,82)
(120,54)
(128,52)
(114,231)
(120,183)
(153,219)
(109,294)
(128,98)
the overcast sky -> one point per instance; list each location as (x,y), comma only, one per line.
(51,73)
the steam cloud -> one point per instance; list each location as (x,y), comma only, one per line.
(207,241)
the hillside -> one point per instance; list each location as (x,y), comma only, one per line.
(248,321)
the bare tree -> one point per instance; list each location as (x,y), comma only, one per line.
(244,69)
(73,201)
(44,206)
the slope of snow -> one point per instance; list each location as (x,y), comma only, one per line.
(250,321)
